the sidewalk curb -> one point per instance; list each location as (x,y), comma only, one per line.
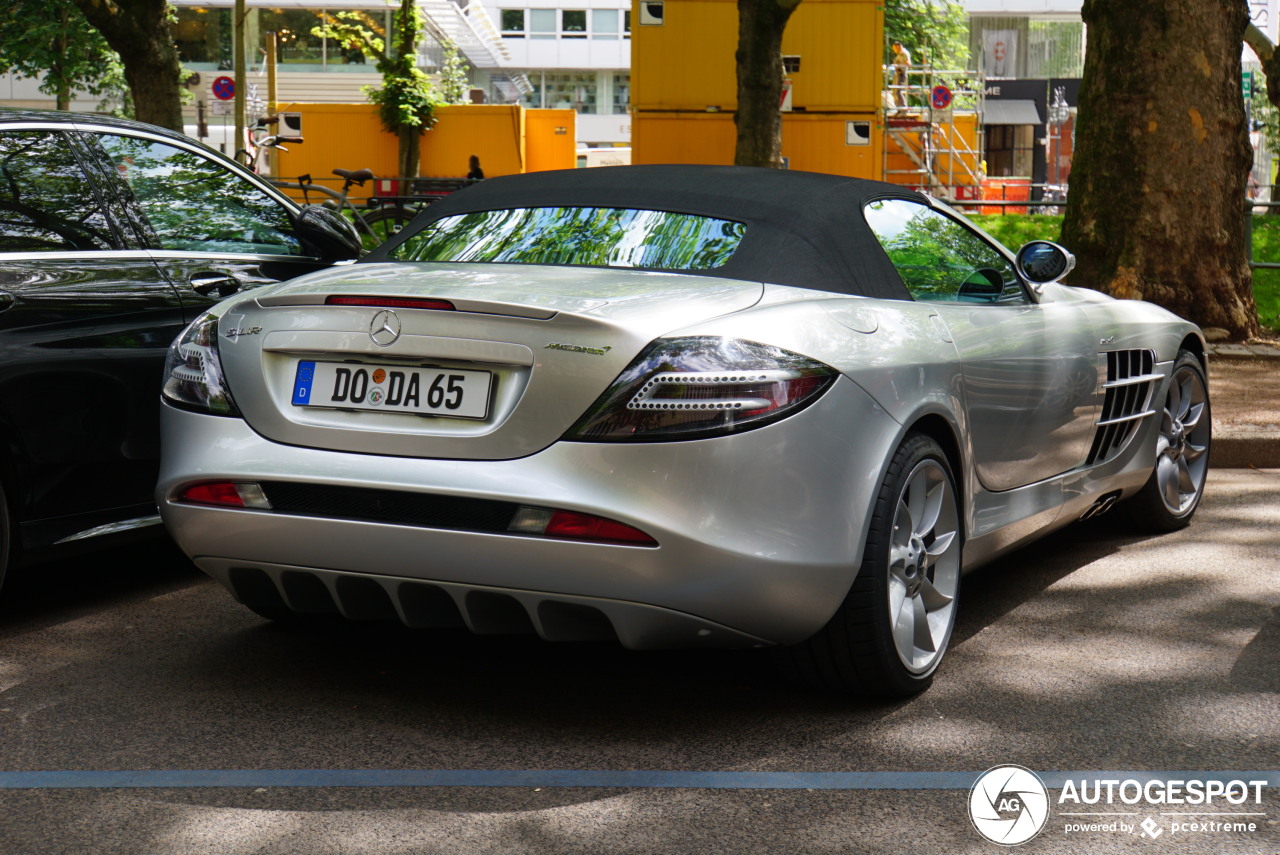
(1245,452)
(1243,446)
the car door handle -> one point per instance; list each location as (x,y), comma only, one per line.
(205,284)
(6,301)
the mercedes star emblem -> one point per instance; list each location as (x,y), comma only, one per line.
(385,328)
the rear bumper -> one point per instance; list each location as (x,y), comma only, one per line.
(759,534)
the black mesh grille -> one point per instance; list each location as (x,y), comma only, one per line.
(388,506)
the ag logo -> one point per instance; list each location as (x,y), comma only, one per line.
(1009,805)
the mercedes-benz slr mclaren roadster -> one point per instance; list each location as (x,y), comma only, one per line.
(675,406)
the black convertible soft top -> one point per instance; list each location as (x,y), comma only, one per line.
(804,229)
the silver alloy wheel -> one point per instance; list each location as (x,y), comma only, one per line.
(1181,462)
(924,567)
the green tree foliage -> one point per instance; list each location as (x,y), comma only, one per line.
(406,102)
(139,31)
(52,38)
(935,31)
(455,75)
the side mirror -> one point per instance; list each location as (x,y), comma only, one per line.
(327,234)
(1041,262)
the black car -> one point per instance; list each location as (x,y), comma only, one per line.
(113,236)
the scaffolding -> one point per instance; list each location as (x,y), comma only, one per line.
(933,131)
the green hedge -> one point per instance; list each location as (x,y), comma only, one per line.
(1013,231)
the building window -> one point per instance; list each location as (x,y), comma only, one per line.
(573,23)
(203,37)
(604,23)
(621,94)
(295,42)
(542,23)
(565,91)
(513,23)
(1010,150)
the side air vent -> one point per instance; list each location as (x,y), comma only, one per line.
(1131,379)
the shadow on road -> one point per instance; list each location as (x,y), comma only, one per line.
(48,592)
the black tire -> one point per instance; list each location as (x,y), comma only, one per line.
(1171,495)
(385,223)
(859,651)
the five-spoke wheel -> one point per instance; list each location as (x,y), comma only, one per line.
(924,566)
(1173,492)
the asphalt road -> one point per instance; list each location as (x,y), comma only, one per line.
(1091,651)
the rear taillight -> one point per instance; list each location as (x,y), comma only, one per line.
(193,370)
(227,494)
(571,525)
(687,388)
(390,302)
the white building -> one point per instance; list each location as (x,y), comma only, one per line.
(576,54)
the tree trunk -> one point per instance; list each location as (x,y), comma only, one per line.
(410,138)
(408,26)
(138,30)
(759,58)
(58,68)
(1162,158)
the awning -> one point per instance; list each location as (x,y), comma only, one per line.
(1010,112)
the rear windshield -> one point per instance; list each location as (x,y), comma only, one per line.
(596,237)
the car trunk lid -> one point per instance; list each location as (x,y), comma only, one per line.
(520,352)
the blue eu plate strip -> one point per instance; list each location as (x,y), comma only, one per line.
(302,385)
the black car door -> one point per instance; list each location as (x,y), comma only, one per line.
(85,322)
(213,229)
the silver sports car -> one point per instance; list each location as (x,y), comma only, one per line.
(674,406)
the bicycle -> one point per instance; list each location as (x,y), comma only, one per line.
(377,224)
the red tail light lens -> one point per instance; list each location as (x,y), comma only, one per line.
(226,494)
(689,388)
(391,303)
(571,525)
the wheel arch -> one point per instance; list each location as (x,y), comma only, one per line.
(941,431)
(1193,343)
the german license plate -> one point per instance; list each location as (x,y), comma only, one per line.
(401,389)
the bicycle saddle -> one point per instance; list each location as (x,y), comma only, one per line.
(359,176)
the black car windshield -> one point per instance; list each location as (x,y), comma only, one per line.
(595,237)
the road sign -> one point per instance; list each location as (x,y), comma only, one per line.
(941,97)
(224,88)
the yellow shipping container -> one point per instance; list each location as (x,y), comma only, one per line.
(507,138)
(684,85)
(838,143)
(687,62)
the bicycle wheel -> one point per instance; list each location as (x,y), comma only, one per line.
(384,223)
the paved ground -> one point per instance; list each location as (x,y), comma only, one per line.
(1094,650)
